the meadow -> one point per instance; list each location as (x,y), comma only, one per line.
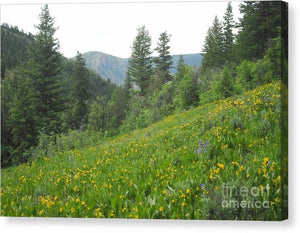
(178,168)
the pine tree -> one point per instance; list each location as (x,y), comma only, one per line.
(258,26)
(180,68)
(22,117)
(45,67)
(79,93)
(213,47)
(228,26)
(185,88)
(164,60)
(140,64)
(226,85)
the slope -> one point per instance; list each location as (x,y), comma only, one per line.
(176,168)
(14,44)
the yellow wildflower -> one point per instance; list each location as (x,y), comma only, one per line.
(265,162)
(221,165)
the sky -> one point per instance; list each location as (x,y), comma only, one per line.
(111,27)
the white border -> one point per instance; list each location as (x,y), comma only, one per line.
(110,225)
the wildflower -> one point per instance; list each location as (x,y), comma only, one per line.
(265,162)
(183,204)
(23,179)
(112,213)
(221,165)
(161,209)
(211,176)
(242,168)
(76,189)
(188,191)
(41,212)
(217,171)
(164,192)
(202,146)
(72,210)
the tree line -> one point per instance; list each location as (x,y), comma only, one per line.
(49,95)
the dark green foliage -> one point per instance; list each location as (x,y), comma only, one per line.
(228,26)
(259,25)
(163,62)
(45,72)
(225,85)
(118,106)
(162,101)
(140,64)
(13,47)
(79,95)
(98,118)
(18,117)
(213,52)
(185,88)
(244,76)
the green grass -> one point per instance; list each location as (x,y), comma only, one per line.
(160,171)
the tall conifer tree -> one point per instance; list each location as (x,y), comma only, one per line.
(45,67)
(228,26)
(163,61)
(213,47)
(79,93)
(140,64)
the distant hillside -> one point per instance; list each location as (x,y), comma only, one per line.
(114,68)
(14,44)
(107,66)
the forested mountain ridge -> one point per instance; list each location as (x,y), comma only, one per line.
(27,88)
(114,68)
(108,66)
(14,44)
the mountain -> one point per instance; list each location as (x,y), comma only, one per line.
(14,43)
(114,68)
(106,65)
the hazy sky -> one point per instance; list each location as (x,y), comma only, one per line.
(111,27)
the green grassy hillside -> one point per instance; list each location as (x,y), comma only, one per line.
(181,167)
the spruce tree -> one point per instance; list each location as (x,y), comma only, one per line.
(180,69)
(22,117)
(163,62)
(213,56)
(258,26)
(45,67)
(79,93)
(226,85)
(228,26)
(140,64)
